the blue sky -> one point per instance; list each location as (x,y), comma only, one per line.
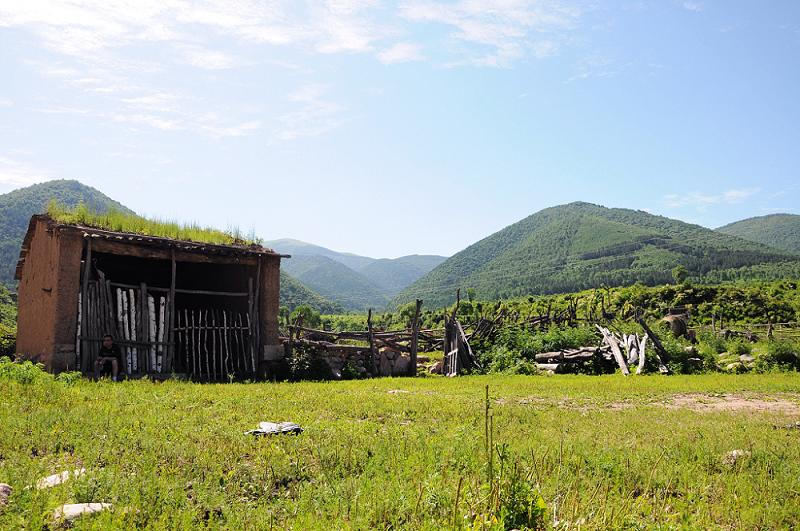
(414,127)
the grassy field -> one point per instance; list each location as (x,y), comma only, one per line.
(566,452)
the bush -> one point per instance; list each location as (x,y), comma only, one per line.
(23,372)
(739,347)
(501,359)
(781,355)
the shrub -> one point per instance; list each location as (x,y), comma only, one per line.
(781,355)
(23,372)
(739,347)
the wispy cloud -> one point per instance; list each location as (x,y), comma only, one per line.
(402,52)
(701,201)
(693,6)
(313,116)
(508,29)
(15,174)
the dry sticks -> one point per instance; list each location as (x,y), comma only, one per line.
(216,344)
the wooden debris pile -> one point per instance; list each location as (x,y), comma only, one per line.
(635,348)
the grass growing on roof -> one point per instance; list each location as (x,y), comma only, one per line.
(116,221)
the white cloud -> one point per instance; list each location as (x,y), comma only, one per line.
(5,102)
(314,116)
(693,6)
(701,201)
(508,27)
(401,52)
(14,174)
(206,59)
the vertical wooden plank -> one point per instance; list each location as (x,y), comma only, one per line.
(212,370)
(371,339)
(162,303)
(229,363)
(412,366)
(249,340)
(87,266)
(78,335)
(126,330)
(167,367)
(133,328)
(151,336)
(256,306)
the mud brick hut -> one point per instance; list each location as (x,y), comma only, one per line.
(174,307)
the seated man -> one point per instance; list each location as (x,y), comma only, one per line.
(109,354)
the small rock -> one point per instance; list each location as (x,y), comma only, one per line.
(5,493)
(58,479)
(74,511)
(395,391)
(746,357)
(734,456)
(734,367)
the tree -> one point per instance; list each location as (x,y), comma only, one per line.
(311,318)
(679,273)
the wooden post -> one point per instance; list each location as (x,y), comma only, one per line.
(87,265)
(167,362)
(412,366)
(656,344)
(612,342)
(371,339)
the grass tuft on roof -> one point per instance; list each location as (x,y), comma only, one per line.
(113,220)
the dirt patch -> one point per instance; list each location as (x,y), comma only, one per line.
(694,401)
(763,404)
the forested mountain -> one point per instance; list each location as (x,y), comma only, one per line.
(395,274)
(335,281)
(295,293)
(580,246)
(298,248)
(781,231)
(364,283)
(17,207)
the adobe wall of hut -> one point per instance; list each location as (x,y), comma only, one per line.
(46,329)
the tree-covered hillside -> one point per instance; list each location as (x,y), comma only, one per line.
(392,275)
(298,248)
(17,207)
(296,294)
(579,246)
(781,231)
(335,281)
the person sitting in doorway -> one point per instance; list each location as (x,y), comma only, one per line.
(109,354)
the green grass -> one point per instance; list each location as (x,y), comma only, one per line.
(603,452)
(117,221)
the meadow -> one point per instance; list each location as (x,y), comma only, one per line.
(555,452)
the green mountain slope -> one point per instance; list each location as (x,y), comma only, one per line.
(298,248)
(781,231)
(292,291)
(17,207)
(335,281)
(581,246)
(392,275)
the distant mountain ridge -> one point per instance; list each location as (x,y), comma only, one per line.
(579,246)
(781,231)
(357,282)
